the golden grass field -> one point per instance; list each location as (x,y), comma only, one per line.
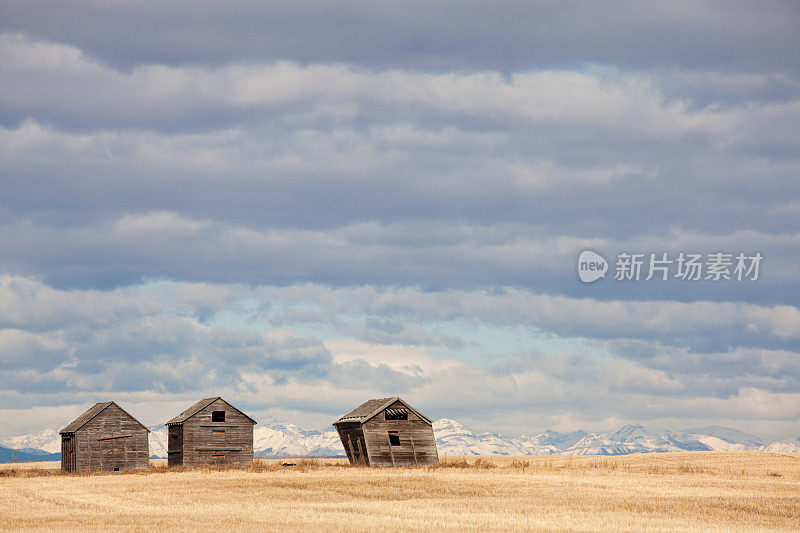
(698,491)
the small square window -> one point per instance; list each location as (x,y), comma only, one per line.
(394,439)
(218,416)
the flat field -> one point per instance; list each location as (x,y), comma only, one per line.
(699,491)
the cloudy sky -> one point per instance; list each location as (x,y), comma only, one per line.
(300,206)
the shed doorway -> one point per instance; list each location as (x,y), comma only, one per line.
(112,454)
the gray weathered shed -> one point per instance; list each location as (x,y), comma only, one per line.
(211,431)
(104,438)
(387,432)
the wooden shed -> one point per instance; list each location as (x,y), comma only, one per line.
(212,431)
(104,438)
(387,432)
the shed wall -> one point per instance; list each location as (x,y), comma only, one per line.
(416,446)
(355,446)
(111,441)
(208,442)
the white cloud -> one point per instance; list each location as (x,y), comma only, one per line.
(149,346)
(630,105)
(437,254)
(557,314)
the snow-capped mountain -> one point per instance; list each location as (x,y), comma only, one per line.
(158,440)
(562,441)
(783,446)
(47,440)
(277,438)
(722,438)
(453,438)
(457,439)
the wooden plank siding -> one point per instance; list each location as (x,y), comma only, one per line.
(175,445)
(68,453)
(109,441)
(354,444)
(366,429)
(200,440)
(417,444)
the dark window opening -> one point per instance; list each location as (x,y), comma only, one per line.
(116,469)
(217,431)
(397,414)
(394,439)
(218,416)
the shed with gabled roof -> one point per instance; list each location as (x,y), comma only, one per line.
(387,432)
(104,438)
(212,431)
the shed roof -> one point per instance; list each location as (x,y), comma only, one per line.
(92,412)
(370,408)
(199,406)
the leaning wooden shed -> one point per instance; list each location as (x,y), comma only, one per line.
(104,438)
(211,431)
(387,432)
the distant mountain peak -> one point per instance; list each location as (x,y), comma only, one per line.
(47,440)
(729,435)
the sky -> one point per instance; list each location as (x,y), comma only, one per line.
(300,206)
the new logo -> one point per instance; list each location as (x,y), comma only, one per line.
(591,266)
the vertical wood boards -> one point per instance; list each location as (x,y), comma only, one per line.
(175,445)
(353,443)
(200,440)
(111,441)
(369,442)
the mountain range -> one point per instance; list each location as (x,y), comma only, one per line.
(278,438)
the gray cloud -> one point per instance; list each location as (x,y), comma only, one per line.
(433,255)
(702,324)
(155,349)
(449,35)
(598,155)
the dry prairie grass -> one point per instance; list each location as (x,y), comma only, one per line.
(684,491)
